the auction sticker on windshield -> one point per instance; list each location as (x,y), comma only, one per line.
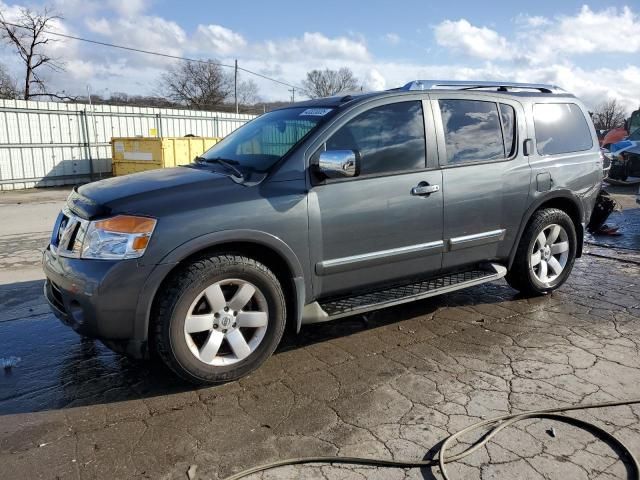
(316,112)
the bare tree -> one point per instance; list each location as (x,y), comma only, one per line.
(608,115)
(8,88)
(119,98)
(325,83)
(198,85)
(248,93)
(29,36)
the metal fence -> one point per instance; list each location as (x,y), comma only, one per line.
(47,143)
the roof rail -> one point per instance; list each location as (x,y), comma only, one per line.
(471,85)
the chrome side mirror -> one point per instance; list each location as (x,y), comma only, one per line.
(339,163)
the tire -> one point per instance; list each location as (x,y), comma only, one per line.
(535,267)
(225,337)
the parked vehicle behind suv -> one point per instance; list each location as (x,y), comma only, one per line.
(325,209)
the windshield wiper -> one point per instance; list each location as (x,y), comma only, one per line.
(223,162)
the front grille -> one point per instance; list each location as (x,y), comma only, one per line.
(67,239)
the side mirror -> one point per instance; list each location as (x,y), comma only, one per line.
(339,163)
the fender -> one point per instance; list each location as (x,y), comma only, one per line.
(195,245)
(536,204)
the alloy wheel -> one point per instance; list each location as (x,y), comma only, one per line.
(549,254)
(226,322)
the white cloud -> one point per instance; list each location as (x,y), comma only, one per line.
(101,26)
(544,49)
(479,42)
(542,40)
(374,80)
(605,31)
(218,39)
(77,8)
(83,8)
(145,33)
(57,47)
(392,38)
(11,13)
(532,21)
(128,8)
(315,45)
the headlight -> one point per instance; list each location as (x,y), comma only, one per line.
(119,237)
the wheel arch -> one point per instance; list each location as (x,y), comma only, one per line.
(264,247)
(562,200)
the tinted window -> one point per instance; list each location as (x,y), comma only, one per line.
(508,115)
(560,128)
(389,138)
(472,131)
(263,141)
(275,138)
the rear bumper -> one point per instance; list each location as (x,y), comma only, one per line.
(97,298)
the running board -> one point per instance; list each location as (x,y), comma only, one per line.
(342,307)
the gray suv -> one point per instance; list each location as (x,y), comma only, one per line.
(325,209)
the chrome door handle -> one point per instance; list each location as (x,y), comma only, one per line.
(425,189)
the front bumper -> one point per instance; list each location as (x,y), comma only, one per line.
(97,298)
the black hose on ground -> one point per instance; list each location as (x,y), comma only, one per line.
(501,422)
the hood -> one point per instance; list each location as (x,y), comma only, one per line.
(123,193)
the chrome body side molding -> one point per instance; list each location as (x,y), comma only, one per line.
(337,265)
(477,239)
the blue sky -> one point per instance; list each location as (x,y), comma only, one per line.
(592,49)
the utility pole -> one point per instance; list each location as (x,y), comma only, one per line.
(235,85)
(293,94)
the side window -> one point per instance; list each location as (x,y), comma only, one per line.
(560,128)
(508,116)
(472,131)
(390,138)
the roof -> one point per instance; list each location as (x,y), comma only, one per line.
(335,101)
(532,90)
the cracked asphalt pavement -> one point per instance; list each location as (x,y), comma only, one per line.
(393,387)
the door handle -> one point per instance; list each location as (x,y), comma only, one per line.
(424,189)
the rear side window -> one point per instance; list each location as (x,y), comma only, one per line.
(508,116)
(560,128)
(390,138)
(472,131)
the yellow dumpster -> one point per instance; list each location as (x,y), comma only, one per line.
(131,155)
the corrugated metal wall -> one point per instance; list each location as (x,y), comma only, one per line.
(47,143)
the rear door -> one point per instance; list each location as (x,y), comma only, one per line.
(374,228)
(486,177)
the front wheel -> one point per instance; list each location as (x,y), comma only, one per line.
(219,318)
(546,253)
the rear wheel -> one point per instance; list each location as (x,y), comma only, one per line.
(546,253)
(219,318)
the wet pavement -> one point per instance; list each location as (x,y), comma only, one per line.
(393,387)
(626,219)
(628,223)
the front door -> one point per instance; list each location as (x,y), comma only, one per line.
(486,177)
(377,228)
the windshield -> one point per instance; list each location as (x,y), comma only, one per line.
(263,141)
